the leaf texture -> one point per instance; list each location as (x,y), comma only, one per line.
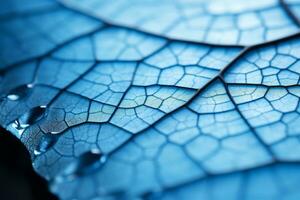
(128,99)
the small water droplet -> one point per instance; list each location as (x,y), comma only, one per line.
(16,129)
(19,92)
(46,142)
(18,126)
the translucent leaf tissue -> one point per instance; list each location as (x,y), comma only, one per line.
(155,99)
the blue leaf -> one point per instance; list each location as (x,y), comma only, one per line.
(155,99)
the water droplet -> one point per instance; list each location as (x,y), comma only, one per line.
(19,92)
(32,116)
(18,126)
(85,164)
(16,129)
(46,142)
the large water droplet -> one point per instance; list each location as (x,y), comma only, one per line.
(85,164)
(18,126)
(46,142)
(32,116)
(19,92)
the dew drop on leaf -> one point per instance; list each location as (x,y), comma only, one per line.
(18,126)
(85,164)
(46,142)
(32,116)
(19,92)
(193,103)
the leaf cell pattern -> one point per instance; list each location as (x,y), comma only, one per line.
(128,99)
(227,22)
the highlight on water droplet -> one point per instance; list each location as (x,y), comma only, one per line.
(13,97)
(54,132)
